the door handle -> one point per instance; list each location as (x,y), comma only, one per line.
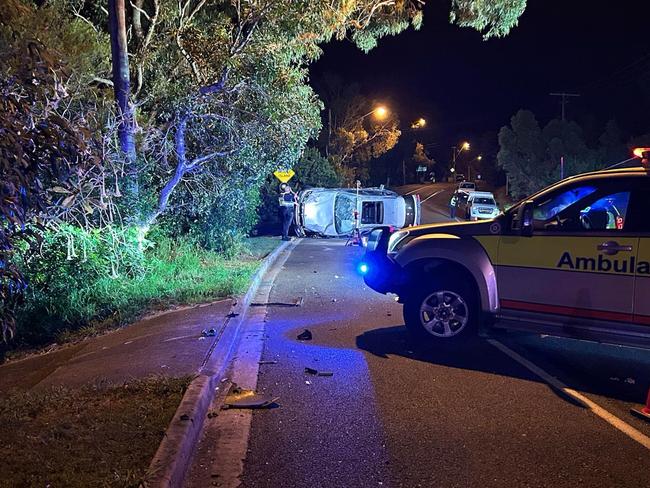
(612,247)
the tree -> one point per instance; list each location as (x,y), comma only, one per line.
(533,157)
(356,132)
(523,154)
(420,158)
(315,170)
(495,18)
(43,149)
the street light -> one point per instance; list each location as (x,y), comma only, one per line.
(469,166)
(418,124)
(456,151)
(380,112)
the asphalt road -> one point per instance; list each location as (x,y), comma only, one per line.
(434,198)
(399,414)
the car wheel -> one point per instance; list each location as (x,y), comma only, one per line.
(444,313)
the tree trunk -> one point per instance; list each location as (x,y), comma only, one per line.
(179,172)
(122,85)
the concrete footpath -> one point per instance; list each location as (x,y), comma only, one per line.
(168,344)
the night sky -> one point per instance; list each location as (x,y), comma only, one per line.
(464,86)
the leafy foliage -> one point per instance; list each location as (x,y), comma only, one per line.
(495,18)
(75,280)
(44,151)
(531,156)
(358,131)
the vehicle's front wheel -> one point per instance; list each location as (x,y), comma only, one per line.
(444,313)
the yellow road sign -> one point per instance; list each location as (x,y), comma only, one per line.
(284,176)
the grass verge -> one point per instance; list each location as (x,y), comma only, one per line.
(104,435)
(176,274)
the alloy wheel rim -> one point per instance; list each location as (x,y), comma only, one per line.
(444,313)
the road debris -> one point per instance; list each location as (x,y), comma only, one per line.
(305,335)
(208,332)
(240,398)
(315,372)
(267,362)
(296,303)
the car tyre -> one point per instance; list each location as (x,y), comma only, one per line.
(444,313)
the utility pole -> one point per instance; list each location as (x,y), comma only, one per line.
(564,96)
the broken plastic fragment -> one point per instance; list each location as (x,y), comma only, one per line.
(305,335)
(315,372)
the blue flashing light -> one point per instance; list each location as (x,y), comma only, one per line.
(363,268)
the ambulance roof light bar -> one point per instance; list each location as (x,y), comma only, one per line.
(643,153)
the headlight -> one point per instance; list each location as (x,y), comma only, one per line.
(395,239)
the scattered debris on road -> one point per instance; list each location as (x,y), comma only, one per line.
(315,372)
(208,332)
(267,362)
(305,335)
(240,398)
(296,303)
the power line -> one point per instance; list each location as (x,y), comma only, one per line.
(564,96)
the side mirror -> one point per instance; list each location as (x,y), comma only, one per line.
(526,218)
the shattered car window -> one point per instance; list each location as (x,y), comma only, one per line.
(344,207)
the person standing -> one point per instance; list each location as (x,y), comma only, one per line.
(287,202)
(452,205)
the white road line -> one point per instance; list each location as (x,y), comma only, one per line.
(608,417)
(432,195)
(417,189)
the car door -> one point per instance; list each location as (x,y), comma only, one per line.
(576,270)
(642,283)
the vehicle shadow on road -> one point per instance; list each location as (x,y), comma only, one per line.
(476,354)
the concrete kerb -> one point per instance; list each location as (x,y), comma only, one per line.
(171,461)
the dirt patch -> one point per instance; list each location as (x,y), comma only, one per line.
(102,435)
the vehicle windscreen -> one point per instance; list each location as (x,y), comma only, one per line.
(484,201)
(344,207)
(555,204)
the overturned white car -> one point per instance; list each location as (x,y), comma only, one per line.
(336,212)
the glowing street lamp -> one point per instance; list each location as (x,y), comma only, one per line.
(380,112)
(418,124)
(469,166)
(456,151)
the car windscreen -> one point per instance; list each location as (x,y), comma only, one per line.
(344,207)
(484,201)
